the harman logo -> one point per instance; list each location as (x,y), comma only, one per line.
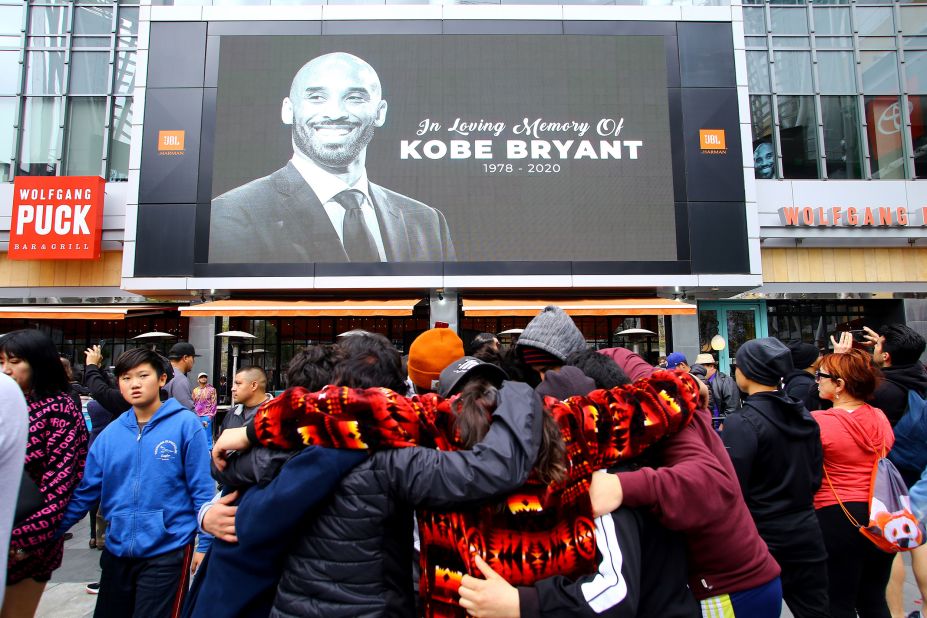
(712,141)
(170,142)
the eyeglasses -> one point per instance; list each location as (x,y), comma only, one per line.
(820,374)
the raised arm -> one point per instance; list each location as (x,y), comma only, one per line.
(498,464)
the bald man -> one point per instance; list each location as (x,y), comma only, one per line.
(321,207)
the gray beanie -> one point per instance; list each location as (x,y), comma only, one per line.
(554,332)
(765,360)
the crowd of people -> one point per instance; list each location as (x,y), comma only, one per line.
(541,478)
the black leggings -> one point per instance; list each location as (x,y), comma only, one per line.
(857,570)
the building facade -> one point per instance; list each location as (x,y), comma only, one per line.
(761,170)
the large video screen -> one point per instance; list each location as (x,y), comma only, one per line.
(401,148)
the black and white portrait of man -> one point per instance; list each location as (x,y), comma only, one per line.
(320,206)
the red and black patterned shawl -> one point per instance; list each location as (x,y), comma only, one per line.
(535,532)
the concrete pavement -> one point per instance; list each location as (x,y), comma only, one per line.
(66,597)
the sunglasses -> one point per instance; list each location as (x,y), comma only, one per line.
(818,375)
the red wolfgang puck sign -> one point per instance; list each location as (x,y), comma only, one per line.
(57,218)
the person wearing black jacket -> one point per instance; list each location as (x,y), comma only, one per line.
(775,446)
(896,351)
(102,391)
(799,383)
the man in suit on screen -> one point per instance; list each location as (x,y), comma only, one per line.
(321,207)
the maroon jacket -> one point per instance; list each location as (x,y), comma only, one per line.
(696,492)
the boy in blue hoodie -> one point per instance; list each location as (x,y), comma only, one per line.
(149,469)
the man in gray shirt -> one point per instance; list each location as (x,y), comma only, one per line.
(181,357)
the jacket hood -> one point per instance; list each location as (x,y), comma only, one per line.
(908,377)
(786,414)
(168,408)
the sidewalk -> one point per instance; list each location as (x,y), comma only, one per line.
(65,596)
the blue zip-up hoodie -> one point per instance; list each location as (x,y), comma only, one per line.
(150,485)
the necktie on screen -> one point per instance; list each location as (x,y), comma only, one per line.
(358,243)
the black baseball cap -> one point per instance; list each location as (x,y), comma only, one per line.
(451,379)
(181,349)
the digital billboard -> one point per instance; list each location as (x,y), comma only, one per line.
(471,148)
(440,148)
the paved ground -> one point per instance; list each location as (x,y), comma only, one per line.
(65,596)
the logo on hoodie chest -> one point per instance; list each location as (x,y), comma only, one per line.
(166,450)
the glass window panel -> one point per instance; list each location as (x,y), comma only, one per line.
(93,20)
(915,42)
(791,42)
(832,2)
(758,71)
(86,119)
(833,42)
(11,19)
(875,21)
(41,136)
(914,19)
(915,68)
(840,118)
(44,72)
(754,21)
(47,41)
(798,136)
(885,123)
(127,42)
(128,21)
(48,20)
(877,42)
(836,73)
(880,72)
(918,105)
(7,135)
(90,41)
(792,72)
(124,77)
(9,72)
(788,20)
(755,41)
(764,156)
(89,72)
(832,21)
(10,40)
(120,134)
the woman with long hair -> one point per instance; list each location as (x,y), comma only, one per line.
(854,435)
(55,458)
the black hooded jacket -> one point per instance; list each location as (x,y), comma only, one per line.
(800,385)
(775,446)
(892,394)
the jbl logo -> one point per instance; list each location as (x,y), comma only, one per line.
(712,139)
(170,141)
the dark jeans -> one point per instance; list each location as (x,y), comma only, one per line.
(857,570)
(143,587)
(804,588)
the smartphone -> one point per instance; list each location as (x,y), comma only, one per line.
(101,343)
(859,335)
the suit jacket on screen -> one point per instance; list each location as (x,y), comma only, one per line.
(279,219)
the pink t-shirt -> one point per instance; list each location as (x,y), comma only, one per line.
(850,451)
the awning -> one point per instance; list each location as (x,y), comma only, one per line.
(78,312)
(480,307)
(301,308)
